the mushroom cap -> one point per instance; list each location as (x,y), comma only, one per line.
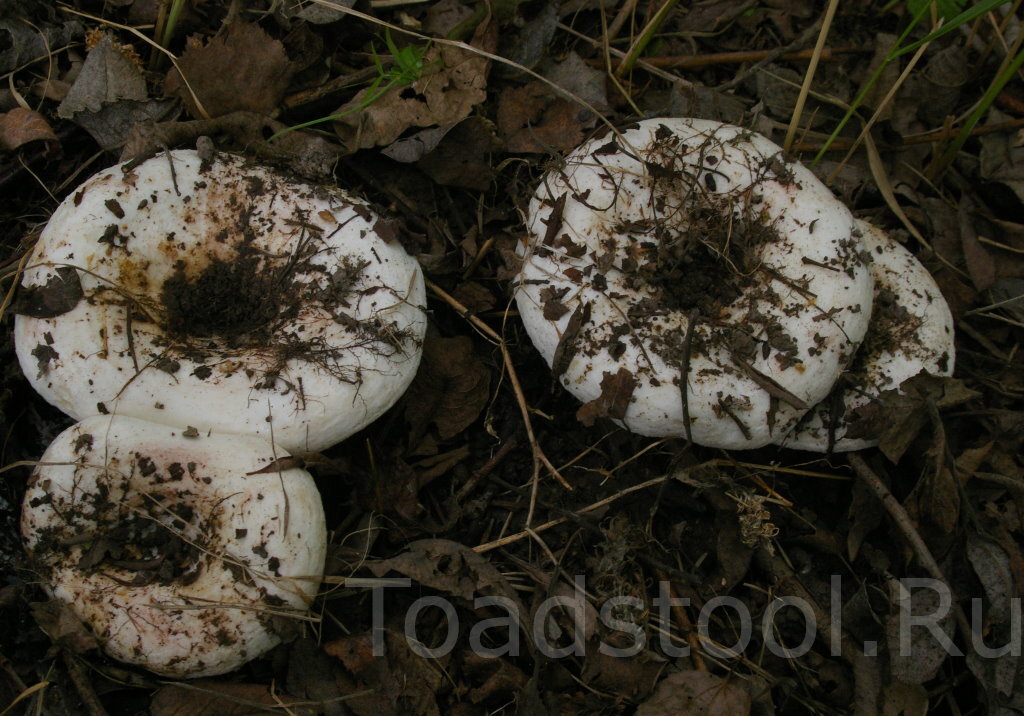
(635,233)
(911,331)
(223,295)
(177,551)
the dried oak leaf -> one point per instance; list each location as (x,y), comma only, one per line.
(453,82)
(21,126)
(244,69)
(694,693)
(215,698)
(616,392)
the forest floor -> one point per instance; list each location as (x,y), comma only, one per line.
(483,481)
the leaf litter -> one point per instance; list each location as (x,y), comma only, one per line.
(443,491)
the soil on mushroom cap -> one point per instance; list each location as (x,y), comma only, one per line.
(228,299)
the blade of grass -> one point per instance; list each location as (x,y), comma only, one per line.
(984,104)
(646,35)
(966,16)
(812,67)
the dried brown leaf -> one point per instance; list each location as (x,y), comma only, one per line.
(450,389)
(616,394)
(981,265)
(449,567)
(57,296)
(108,76)
(532,119)
(244,69)
(454,81)
(897,418)
(21,126)
(921,659)
(65,629)
(695,693)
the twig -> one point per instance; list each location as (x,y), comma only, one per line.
(674,62)
(509,539)
(906,527)
(539,458)
(83,686)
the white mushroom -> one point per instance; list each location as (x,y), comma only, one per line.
(223,295)
(180,552)
(679,219)
(911,331)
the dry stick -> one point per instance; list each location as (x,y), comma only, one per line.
(683,622)
(673,62)
(906,526)
(842,143)
(509,539)
(539,457)
(83,686)
(866,670)
(805,88)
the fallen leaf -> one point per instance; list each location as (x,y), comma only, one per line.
(896,418)
(57,296)
(311,677)
(695,693)
(924,655)
(902,699)
(980,263)
(448,567)
(633,677)
(65,629)
(578,80)
(616,394)
(401,681)
(453,82)
(992,566)
(108,75)
(24,43)
(215,698)
(244,69)
(451,387)
(533,119)
(463,156)
(21,126)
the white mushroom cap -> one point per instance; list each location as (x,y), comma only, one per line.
(176,551)
(634,232)
(911,331)
(223,295)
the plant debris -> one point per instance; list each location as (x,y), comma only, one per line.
(497,547)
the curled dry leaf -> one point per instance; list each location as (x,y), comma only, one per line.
(244,69)
(21,126)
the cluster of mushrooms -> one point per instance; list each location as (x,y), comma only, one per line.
(204,318)
(682,278)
